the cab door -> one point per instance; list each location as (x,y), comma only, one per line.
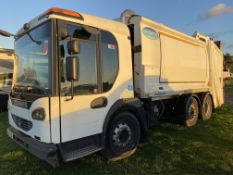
(81,115)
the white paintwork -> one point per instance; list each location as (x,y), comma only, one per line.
(175,62)
(109,25)
(216,74)
(172,63)
(40,128)
(182,62)
(55,120)
(78,119)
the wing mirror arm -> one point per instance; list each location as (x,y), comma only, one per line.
(6,34)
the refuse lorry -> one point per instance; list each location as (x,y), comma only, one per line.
(84,84)
(6,73)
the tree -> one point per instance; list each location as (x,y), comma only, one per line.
(228,61)
(228,58)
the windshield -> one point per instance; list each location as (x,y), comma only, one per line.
(32,63)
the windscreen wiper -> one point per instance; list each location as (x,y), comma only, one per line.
(33,40)
(22,89)
(26,28)
(38,88)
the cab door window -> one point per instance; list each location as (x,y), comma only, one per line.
(109,49)
(87,83)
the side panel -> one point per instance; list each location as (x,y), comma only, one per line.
(169,62)
(147,62)
(78,119)
(182,62)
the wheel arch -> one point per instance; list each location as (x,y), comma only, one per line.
(188,96)
(133,106)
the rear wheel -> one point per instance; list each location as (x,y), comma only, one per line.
(123,137)
(192,112)
(206,107)
(187,110)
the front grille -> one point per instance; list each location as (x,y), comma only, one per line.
(25,125)
(21,103)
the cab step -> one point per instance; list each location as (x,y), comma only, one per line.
(79,148)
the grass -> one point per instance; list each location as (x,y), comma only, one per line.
(206,148)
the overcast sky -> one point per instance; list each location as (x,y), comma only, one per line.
(212,17)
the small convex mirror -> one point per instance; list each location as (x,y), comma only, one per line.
(73,47)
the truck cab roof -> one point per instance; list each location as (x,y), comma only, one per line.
(81,18)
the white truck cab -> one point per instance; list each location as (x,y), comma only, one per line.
(84,84)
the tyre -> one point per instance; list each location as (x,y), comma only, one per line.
(122,137)
(187,111)
(191,112)
(206,107)
(161,109)
(168,113)
(3,102)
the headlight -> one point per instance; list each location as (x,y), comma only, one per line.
(38,114)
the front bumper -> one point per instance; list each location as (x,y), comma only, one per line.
(44,151)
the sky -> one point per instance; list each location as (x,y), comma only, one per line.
(211,17)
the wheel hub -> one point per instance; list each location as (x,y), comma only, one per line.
(193,111)
(122,135)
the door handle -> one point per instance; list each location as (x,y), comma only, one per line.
(99,102)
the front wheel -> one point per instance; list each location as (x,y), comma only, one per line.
(122,137)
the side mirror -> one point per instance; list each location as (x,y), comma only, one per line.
(72,68)
(73,47)
(5,33)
